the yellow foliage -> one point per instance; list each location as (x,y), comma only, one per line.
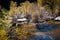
(25,8)
(2,32)
(13,4)
(22,32)
(39,3)
(3,35)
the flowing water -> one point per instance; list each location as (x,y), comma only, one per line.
(46,27)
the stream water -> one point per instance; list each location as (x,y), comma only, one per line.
(46,27)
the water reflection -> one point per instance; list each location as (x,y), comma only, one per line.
(46,27)
(43,37)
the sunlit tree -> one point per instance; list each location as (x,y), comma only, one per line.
(39,3)
(13,6)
